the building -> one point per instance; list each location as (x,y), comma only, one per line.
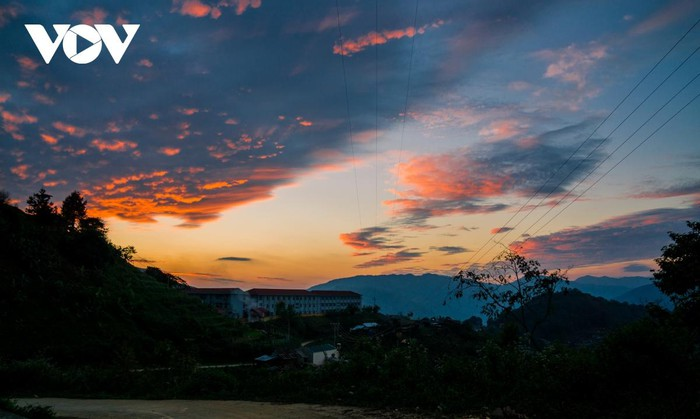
(257,303)
(232,302)
(304,301)
(319,354)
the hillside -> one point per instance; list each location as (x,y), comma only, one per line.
(577,317)
(423,296)
(71,296)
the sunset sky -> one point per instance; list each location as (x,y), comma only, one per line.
(245,143)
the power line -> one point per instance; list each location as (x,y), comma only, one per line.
(347,105)
(579,148)
(408,89)
(502,238)
(376,113)
(614,151)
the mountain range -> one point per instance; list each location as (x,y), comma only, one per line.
(429,295)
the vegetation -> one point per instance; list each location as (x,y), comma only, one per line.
(78,320)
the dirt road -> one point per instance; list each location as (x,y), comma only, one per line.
(187,409)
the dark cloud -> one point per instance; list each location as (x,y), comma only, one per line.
(637,267)
(202,113)
(499,230)
(682,189)
(392,258)
(482,178)
(234,259)
(370,239)
(451,250)
(629,237)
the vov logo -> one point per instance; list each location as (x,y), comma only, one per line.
(68,36)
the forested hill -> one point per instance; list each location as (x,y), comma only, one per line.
(71,296)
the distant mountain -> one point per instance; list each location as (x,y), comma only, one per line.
(425,295)
(644,295)
(607,287)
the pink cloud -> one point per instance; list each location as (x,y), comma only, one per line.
(20,171)
(500,130)
(48,139)
(392,258)
(90,17)
(353,46)
(9,12)
(69,129)
(4,97)
(113,145)
(169,151)
(572,64)
(199,9)
(666,16)
(13,118)
(145,62)
(27,63)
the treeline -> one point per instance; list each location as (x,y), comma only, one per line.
(70,297)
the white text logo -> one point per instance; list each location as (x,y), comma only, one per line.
(68,35)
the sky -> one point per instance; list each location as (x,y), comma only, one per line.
(261,143)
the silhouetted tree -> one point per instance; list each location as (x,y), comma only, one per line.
(40,205)
(679,269)
(74,210)
(508,285)
(4,197)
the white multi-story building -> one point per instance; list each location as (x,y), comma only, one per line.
(262,302)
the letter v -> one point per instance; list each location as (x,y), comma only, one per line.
(47,48)
(114,45)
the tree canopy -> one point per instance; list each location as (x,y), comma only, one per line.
(679,266)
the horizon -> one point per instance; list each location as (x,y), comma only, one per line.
(245,143)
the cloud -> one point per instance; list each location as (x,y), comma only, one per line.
(451,250)
(637,267)
(392,258)
(20,171)
(353,46)
(481,178)
(234,259)
(499,230)
(27,63)
(370,239)
(145,62)
(573,63)
(113,145)
(198,9)
(9,12)
(500,130)
(274,278)
(4,97)
(169,151)
(631,237)
(667,15)
(69,129)
(681,189)
(90,17)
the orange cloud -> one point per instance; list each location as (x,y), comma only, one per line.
(90,17)
(500,130)
(113,145)
(27,63)
(353,46)
(49,139)
(306,123)
(573,64)
(4,97)
(20,171)
(69,129)
(169,151)
(198,9)
(188,111)
(13,118)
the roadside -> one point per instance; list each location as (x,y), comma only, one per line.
(190,409)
